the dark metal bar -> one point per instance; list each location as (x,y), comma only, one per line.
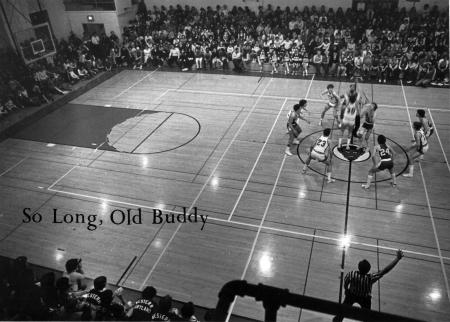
(273,298)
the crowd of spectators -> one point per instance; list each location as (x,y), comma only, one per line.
(37,83)
(23,297)
(376,44)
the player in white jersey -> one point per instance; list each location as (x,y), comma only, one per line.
(333,102)
(294,129)
(349,112)
(383,159)
(320,151)
(418,149)
(368,116)
(427,126)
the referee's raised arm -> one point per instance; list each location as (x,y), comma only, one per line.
(389,267)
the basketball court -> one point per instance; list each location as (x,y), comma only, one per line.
(152,142)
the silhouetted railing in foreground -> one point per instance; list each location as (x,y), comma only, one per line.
(273,298)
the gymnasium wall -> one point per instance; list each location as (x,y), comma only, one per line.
(18,11)
(76,19)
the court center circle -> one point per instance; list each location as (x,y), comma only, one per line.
(303,146)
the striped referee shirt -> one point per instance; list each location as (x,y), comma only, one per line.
(360,285)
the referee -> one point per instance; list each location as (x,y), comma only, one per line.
(358,284)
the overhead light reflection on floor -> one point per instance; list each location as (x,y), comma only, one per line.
(144,162)
(104,206)
(435,295)
(265,264)
(215,182)
(302,192)
(345,241)
(398,210)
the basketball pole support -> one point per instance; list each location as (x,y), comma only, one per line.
(11,34)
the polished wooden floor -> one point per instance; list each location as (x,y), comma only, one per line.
(217,143)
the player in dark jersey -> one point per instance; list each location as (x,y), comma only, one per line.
(383,159)
(294,129)
(418,149)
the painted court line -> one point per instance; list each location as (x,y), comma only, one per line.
(250,256)
(13,167)
(204,185)
(280,230)
(439,139)
(62,177)
(256,161)
(289,98)
(429,205)
(75,166)
(127,89)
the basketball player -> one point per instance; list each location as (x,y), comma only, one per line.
(359,102)
(320,151)
(426,124)
(383,159)
(333,102)
(368,115)
(293,128)
(418,149)
(350,110)
(300,111)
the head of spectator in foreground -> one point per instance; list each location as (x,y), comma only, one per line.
(165,304)
(100,283)
(149,293)
(364,267)
(72,265)
(187,310)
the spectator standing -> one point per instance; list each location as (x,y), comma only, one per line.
(75,274)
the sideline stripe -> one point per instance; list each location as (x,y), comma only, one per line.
(230,310)
(289,98)
(429,205)
(249,259)
(439,139)
(12,167)
(127,89)
(280,230)
(256,162)
(205,184)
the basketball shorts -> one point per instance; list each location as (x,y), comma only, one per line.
(321,157)
(423,150)
(385,165)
